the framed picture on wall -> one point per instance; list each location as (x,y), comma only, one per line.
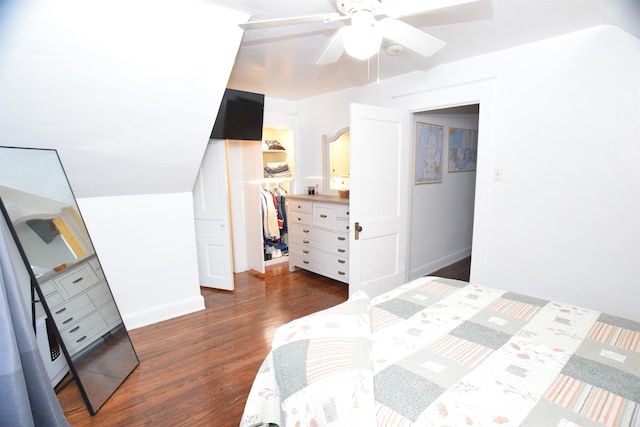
(463,150)
(428,154)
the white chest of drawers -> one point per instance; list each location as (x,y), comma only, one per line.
(80,302)
(319,235)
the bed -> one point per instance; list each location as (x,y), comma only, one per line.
(449,353)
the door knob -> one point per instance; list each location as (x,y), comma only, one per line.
(358,229)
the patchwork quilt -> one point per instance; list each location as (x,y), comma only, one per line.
(440,352)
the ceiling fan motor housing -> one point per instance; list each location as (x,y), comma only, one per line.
(348,7)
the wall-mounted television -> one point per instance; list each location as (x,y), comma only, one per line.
(240,116)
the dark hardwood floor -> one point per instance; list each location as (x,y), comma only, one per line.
(197,369)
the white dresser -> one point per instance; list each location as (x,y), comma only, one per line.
(81,304)
(319,235)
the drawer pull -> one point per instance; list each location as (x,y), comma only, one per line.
(342,273)
(299,207)
(305,261)
(82,338)
(347,227)
(341,250)
(62,310)
(306,251)
(70,319)
(341,238)
(341,261)
(323,216)
(347,212)
(305,241)
(305,230)
(75,329)
(299,219)
(78,280)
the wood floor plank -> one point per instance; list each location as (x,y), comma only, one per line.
(197,369)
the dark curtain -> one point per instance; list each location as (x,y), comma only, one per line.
(28,398)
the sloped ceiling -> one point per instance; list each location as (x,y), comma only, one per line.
(280,61)
(126,91)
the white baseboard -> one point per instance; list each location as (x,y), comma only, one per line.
(165,312)
(430,267)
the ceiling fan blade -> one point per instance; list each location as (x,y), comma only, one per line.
(410,37)
(400,8)
(333,50)
(270,23)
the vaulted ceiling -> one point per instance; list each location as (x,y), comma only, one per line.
(280,62)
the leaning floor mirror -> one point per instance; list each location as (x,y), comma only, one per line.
(41,211)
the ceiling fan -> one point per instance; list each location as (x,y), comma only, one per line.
(371,21)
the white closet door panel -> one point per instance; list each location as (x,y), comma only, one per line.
(252,173)
(211,209)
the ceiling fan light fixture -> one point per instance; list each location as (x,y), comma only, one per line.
(362,39)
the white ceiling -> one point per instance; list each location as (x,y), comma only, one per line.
(279,62)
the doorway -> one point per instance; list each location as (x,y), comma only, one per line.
(442,208)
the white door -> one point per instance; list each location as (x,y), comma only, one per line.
(211,208)
(252,175)
(379,199)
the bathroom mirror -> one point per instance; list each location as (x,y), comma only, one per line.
(336,160)
(41,211)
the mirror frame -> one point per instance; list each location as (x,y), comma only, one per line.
(89,378)
(326,160)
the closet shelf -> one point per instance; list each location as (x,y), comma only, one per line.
(275,180)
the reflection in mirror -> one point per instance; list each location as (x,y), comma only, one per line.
(336,160)
(38,203)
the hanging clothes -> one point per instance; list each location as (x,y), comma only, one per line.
(282,212)
(271,231)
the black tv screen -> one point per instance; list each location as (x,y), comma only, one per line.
(240,116)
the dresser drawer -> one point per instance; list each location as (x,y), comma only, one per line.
(77,280)
(100,294)
(331,238)
(335,261)
(84,332)
(54,299)
(299,241)
(307,264)
(339,251)
(97,268)
(342,225)
(300,206)
(302,230)
(308,253)
(73,310)
(338,273)
(342,211)
(299,218)
(47,287)
(109,313)
(324,216)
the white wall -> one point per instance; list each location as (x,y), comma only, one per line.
(560,118)
(442,213)
(149,257)
(128,92)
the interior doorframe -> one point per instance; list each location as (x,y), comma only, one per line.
(482,93)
